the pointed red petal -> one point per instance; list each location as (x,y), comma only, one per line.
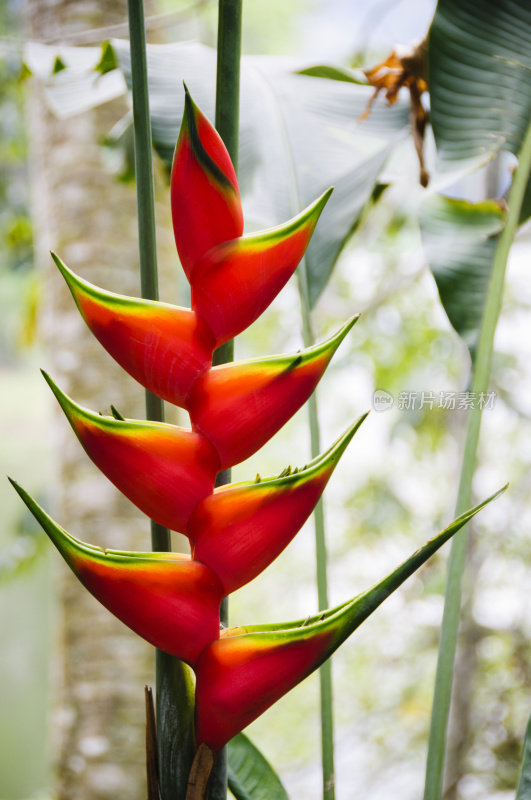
(239,406)
(245,671)
(205,199)
(239,677)
(168,599)
(237,281)
(162,469)
(241,528)
(163,346)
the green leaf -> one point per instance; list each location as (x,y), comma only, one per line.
(460,240)
(524,784)
(335,73)
(121,139)
(79,85)
(479,63)
(108,60)
(251,776)
(58,65)
(25,72)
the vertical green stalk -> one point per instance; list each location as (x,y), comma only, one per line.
(227,123)
(174,709)
(145,202)
(325,672)
(228,111)
(456,563)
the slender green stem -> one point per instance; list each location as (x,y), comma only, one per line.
(456,564)
(228,113)
(144,186)
(228,75)
(325,672)
(227,124)
(174,729)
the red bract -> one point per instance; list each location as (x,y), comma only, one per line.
(166,348)
(240,406)
(246,670)
(163,469)
(234,283)
(205,199)
(241,528)
(168,599)
(240,677)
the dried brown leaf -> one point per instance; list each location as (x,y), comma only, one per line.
(404,69)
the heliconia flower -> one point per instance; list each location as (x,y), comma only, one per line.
(235,282)
(240,406)
(164,347)
(162,469)
(167,598)
(247,669)
(242,527)
(205,199)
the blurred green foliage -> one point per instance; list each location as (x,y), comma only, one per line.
(16,238)
(24,567)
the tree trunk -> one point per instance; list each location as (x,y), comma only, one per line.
(88,217)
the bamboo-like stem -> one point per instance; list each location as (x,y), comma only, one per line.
(456,564)
(173,773)
(228,75)
(325,672)
(227,124)
(145,201)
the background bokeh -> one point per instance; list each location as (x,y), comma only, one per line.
(60,659)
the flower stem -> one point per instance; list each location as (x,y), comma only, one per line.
(325,672)
(227,124)
(456,563)
(228,109)
(145,201)
(175,729)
